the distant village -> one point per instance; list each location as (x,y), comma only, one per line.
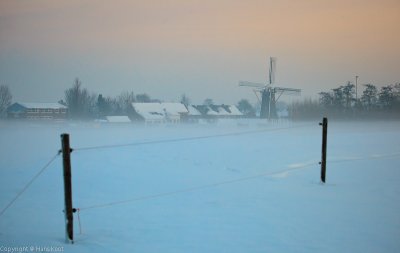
(345,102)
(125,108)
(148,113)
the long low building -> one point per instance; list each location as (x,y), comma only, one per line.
(37,111)
(218,111)
(155,113)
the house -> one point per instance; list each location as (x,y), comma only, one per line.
(233,111)
(175,112)
(193,111)
(221,111)
(156,113)
(218,111)
(37,111)
(193,115)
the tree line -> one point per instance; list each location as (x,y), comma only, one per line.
(83,104)
(344,102)
(340,102)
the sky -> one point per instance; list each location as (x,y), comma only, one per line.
(199,48)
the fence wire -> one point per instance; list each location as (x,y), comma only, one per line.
(216,184)
(190,138)
(195,188)
(29,184)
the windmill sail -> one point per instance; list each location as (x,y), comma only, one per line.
(272,67)
(251,84)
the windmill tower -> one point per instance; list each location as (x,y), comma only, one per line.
(269,94)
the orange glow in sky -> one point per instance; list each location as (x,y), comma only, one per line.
(166,48)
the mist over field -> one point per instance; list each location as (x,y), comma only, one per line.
(235,186)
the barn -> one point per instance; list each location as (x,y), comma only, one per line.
(37,111)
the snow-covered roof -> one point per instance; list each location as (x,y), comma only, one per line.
(223,110)
(147,107)
(150,111)
(163,110)
(155,111)
(212,112)
(234,110)
(174,108)
(43,105)
(193,111)
(118,119)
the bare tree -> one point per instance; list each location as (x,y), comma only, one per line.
(396,88)
(387,97)
(185,100)
(326,99)
(348,92)
(107,106)
(80,103)
(369,97)
(5,99)
(208,102)
(125,100)
(308,108)
(246,108)
(143,98)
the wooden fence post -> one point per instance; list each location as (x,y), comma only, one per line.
(324,125)
(68,209)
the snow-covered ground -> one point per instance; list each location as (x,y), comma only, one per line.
(241,187)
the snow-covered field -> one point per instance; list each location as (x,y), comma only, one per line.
(242,187)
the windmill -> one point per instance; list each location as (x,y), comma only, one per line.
(269,94)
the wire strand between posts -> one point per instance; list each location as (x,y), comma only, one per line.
(195,188)
(29,184)
(190,138)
